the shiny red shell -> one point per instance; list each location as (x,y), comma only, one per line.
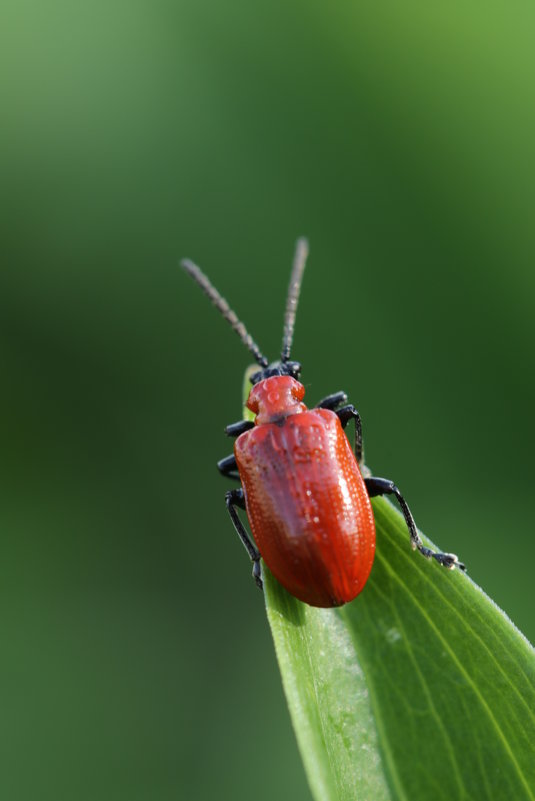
(306,501)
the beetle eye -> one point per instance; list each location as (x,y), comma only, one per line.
(295,368)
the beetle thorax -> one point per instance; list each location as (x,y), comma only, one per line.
(276,398)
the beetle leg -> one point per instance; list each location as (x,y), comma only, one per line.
(332,401)
(383,486)
(235,498)
(345,414)
(228,467)
(235,429)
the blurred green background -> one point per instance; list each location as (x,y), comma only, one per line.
(136,659)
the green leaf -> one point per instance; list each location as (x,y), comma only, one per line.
(246,388)
(419,689)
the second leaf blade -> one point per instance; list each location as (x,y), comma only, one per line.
(420,688)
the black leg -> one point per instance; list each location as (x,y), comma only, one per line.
(332,401)
(382,486)
(347,413)
(234,498)
(228,467)
(235,429)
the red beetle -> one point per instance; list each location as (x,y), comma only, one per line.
(307,502)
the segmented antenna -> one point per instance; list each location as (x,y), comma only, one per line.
(221,305)
(301,253)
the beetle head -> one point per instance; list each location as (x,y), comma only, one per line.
(290,368)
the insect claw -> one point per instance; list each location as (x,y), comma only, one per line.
(456,563)
(453,560)
(449,560)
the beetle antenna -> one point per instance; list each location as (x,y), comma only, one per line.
(221,305)
(300,257)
